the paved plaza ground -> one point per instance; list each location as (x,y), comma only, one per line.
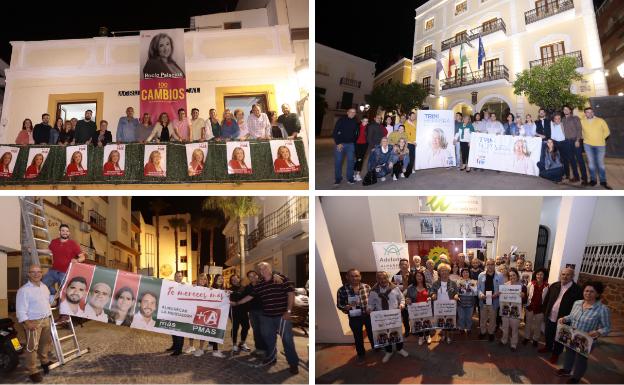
(452,179)
(120,355)
(468,360)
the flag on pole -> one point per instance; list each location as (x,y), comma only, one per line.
(462,58)
(481,52)
(439,68)
(451,62)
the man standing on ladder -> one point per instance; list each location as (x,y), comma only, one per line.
(63,250)
(33,312)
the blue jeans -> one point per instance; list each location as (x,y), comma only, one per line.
(254,317)
(348,149)
(271,327)
(464,320)
(52,277)
(595,157)
(574,360)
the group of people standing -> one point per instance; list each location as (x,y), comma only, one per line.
(544,304)
(233,126)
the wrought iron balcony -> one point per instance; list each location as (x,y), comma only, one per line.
(350,82)
(455,41)
(488,28)
(97,221)
(476,77)
(430,89)
(290,213)
(549,9)
(421,57)
(550,60)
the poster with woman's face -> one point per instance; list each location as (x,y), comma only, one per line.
(76,160)
(284,156)
(196,155)
(114,160)
(36,160)
(238,157)
(155,160)
(8,157)
(434,137)
(124,298)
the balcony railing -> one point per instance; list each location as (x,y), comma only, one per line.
(429,88)
(71,208)
(605,260)
(455,41)
(421,57)
(97,221)
(290,213)
(550,60)
(549,9)
(476,77)
(350,82)
(475,33)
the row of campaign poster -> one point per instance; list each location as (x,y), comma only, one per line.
(283,152)
(435,134)
(131,300)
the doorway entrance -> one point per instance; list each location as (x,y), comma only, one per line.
(542,247)
(68,111)
(498,106)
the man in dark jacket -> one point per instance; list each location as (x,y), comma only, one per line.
(374,133)
(345,134)
(558,303)
(85,129)
(405,279)
(542,125)
(41,131)
(290,120)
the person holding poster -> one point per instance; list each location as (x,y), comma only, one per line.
(512,320)
(536,293)
(352,299)
(385,296)
(591,316)
(402,279)
(444,290)
(463,137)
(114,166)
(64,251)
(196,166)
(417,292)
(487,285)
(467,293)
(283,161)
(75,163)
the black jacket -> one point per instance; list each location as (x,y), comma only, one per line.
(574,293)
(543,129)
(346,130)
(374,133)
(108,138)
(41,133)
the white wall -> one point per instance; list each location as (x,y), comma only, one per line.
(549,218)
(10,224)
(3,285)
(252,18)
(608,221)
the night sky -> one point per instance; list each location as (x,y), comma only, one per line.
(183,205)
(51,20)
(383,34)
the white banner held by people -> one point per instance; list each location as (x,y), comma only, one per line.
(574,339)
(518,154)
(420,316)
(434,139)
(388,255)
(444,313)
(510,301)
(387,327)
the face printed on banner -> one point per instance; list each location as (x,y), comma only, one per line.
(164,47)
(100,295)
(76,290)
(147,305)
(124,299)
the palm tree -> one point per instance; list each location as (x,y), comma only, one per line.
(158,205)
(209,222)
(176,223)
(237,208)
(212,224)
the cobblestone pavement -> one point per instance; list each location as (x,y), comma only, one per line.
(452,179)
(121,356)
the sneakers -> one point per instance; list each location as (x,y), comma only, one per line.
(235,349)
(420,340)
(350,182)
(383,179)
(189,350)
(403,174)
(198,352)
(403,353)
(357,178)
(428,339)
(218,353)
(243,347)
(386,357)
(394,178)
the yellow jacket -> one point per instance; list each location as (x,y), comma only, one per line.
(595,131)
(410,131)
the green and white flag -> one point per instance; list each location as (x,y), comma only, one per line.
(462,58)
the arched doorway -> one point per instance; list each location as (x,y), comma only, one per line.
(497,105)
(542,247)
(465,109)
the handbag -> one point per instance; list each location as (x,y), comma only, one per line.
(370,178)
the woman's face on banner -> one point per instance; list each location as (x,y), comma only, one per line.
(198,156)
(77,157)
(284,153)
(6,158)
(518,148)
(435,141)
(156,158)
(164,47)
(125,301)
(239,154)
(38,160)
(115,156)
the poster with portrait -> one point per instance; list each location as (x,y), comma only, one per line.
(238,157)
(467,287)
(387,327)
(510,301)
(420,316)
(141,302)
(518,154)
(76,161)
(8,157)
(36,159)
(114,160)
(196,155)
(162,72)
(388,255)
(435,130)
(428,224)
(285,158)
(525,277)
(445,314)
(155,160)
(574,339)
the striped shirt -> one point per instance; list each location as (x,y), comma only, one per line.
(588,320)
(274,296)
(346,291)
(259,127)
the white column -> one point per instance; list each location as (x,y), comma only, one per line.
(4,301)
(331,325)
(594,61)
(573,226)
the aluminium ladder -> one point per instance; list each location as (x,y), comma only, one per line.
(35,251)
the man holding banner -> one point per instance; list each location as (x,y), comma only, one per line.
(352,299)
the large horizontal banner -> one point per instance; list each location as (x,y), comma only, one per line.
(388,255)
(574,339)
(435,131)
(387,327)
(194,162)
(519,154)
(132,300)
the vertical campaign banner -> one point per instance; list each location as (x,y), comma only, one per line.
(284,154)
(163,78)
(239,157)
(114,160)
(196,157)
(435,132)
(387,327)
(420,316)
(389,254)
(155,159)
(76,160)
(519,154)
(8,157)
(36,158)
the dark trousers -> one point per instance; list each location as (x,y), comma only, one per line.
(562,147)
(178,343)
(405,317)
(399,346)
(575,156)
(254,318)
(360,153)
(412,157)
(575,363)
(550,329)
(465,150)
(356,324)
(240,320)
(554,174)
(215,347)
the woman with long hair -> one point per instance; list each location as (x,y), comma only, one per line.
(5,164)
(160,58)
(153,166)
(112,164)
(278,131)
(463,137)
(75,166)
(25,136)
(283,162)
(55,131)
(401,152)
(240,314)
(196,166)
(361,145)
(417,292)
(145,128)
(35,166)
(66,136)
(217,283)
(121,311)
(229,127)
(551,167)
(237,164)
(163,131)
